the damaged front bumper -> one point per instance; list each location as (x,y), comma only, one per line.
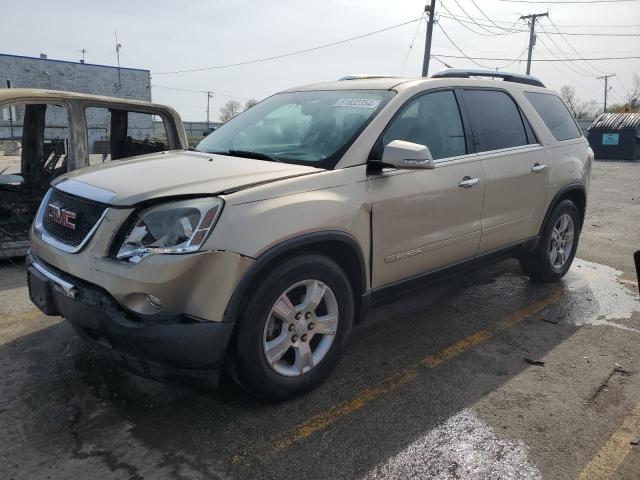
(179,347)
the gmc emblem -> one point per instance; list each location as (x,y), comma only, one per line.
(61,216)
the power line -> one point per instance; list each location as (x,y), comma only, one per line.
(568,1)
(289,54)
(474,21)
(509,22)
(197,91)
(472,59)
(406,57)
(464,55)
(576,34)
(491,20)
(580,70)
(516,30)
(465,12)
(442,62)
(462,22)
(573,82)
(601,26)
(630,57)
(565,75)
(572,47)
(518,58)
(623,87)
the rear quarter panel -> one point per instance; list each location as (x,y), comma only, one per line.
(568,161)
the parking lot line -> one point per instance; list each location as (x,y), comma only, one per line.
(324,419)
(612,454)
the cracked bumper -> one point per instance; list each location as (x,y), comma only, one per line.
(169,347)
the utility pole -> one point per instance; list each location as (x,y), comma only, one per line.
(10,111)
(606,88)
(427,42)
(118,47)
(532,34)
(209,95)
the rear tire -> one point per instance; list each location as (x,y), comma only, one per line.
(553,255)
(292,330)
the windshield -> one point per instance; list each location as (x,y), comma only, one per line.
(310,128)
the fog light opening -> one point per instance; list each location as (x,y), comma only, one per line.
(154,301)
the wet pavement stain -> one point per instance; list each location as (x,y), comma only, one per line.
(137,428)
(463,447)
(600,298)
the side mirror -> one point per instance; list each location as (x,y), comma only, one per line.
(407,155)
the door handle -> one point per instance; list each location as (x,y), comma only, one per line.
(537,167)
(468,182)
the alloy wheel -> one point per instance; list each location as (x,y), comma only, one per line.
(561,241)
(300,328)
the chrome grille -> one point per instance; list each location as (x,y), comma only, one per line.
(87,214)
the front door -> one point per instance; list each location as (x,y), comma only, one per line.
(426,219)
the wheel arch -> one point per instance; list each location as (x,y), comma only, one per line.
(574,192)
(343,248)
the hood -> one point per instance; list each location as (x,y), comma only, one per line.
(181,173)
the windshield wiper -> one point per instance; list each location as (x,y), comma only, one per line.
(250,154)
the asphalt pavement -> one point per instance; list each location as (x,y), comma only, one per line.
(486,375)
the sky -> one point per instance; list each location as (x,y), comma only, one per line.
(166,35)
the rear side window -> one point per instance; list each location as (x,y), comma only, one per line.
(555,115)
(115,134)
(495,119)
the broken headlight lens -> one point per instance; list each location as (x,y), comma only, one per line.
(170,228)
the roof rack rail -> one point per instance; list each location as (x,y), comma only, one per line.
(506,76)
(365,76)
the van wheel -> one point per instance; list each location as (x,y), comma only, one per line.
(553,256)
(291,332)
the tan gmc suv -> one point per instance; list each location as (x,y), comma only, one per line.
(257,252)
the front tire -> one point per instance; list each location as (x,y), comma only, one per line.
(553,256)
(291,333)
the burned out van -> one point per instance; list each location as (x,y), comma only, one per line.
(44,134)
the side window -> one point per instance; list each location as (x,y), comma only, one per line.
(115,134)
(496,120)
(35,147)
(555,115)
(433,119)
(35,141)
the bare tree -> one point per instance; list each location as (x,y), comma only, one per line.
(633,97)
(250,103)
(230,110)
(578,108)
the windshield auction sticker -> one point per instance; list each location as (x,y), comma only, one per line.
(357,103)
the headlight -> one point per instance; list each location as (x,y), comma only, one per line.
(170,228)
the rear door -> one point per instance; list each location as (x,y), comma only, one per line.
(426,219)
(515,166)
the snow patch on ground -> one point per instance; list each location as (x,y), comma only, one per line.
(462,447)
